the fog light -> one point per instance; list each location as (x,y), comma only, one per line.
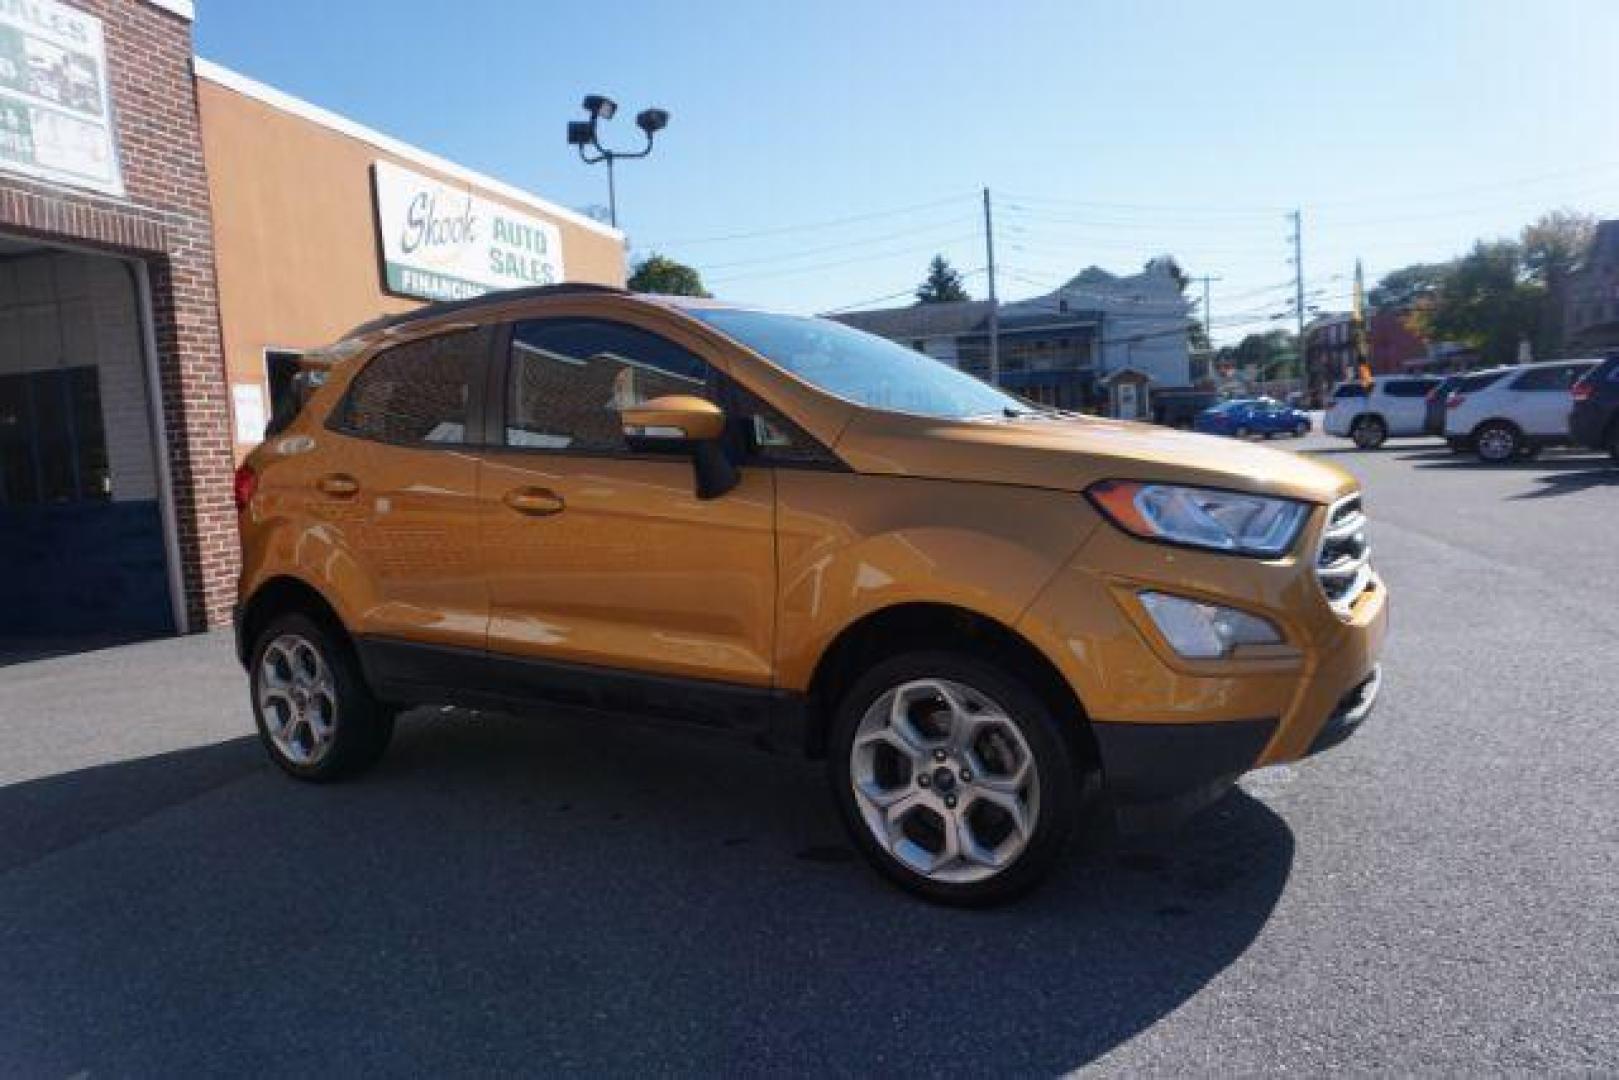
(1200,631)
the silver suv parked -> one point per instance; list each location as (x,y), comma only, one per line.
(1394,406)
(1513,412)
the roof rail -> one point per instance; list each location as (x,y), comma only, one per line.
(502,296)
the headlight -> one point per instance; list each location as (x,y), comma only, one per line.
(1200,631)
(1202,517)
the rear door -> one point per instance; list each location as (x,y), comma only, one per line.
(1541,400)
(1404,404)
(394,489)
(603,556)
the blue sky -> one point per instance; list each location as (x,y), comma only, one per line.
(1107,132)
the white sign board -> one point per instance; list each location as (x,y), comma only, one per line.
(441,242)
(55,106)
(247,404)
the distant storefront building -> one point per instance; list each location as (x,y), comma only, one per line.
(1098,342)
(171,236)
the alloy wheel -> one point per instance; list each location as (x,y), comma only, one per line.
(298,699)
(945,781)
(1496,444)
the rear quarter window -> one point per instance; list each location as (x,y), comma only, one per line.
(415,393)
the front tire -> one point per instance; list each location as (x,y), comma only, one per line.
(1497,442)
(1369,432)
(314,713)
(953,778)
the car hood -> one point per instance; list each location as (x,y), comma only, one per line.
(1073,453)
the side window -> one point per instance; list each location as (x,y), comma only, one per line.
(568,378)
(416,392)
(1350,390)
(1547,379)
(1407,388)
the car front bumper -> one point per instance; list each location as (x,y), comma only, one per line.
(1174,734)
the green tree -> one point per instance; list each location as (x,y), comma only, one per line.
(1405,288)
(1553,247)
(1487,301)
(1271,353)
(942,285)
(658,274)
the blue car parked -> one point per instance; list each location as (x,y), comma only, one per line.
(1252,416)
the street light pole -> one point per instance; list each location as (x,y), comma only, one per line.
(584,135)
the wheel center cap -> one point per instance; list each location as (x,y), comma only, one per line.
(944,780)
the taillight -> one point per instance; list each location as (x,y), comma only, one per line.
(1455,400)
(244,485)
(1583,390)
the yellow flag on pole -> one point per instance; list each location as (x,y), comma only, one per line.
(1363,369)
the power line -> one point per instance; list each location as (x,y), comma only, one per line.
(911,292)
(843,246)
(869,257)
(825,224)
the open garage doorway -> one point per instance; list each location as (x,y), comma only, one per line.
(85,529)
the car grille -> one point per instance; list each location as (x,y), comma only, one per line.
(1344,565)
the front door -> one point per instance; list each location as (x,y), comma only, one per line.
(597,555)
(1127,400)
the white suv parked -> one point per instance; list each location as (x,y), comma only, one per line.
(1514,411)
(1394,406)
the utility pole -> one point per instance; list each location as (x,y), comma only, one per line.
(1208,317)
(994,305)
(1298,287)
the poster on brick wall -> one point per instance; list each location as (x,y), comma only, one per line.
(55,106)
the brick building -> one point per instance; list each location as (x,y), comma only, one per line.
(171,236)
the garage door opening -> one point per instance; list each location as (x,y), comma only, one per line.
(85,540)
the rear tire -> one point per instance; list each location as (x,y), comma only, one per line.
(953,778)
(1369,432)
(1497,442)
(1301,430)
(315,715)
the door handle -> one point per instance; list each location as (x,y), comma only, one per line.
(536,502)
(339,485)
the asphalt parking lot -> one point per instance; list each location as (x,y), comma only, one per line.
(1439,894)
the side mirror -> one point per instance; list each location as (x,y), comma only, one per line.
(680,422)
(672,422)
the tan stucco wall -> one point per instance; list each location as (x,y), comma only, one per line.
(295,231)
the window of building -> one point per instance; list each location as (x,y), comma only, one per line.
(53,447)
(416,392)
(569,378)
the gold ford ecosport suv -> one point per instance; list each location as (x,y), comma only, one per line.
(823,541)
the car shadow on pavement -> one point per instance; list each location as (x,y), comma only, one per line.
(1568,483)
(1540,464)
(505,896)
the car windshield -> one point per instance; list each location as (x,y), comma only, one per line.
(861,367)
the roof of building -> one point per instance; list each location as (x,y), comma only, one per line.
(287,103)
(946,319)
